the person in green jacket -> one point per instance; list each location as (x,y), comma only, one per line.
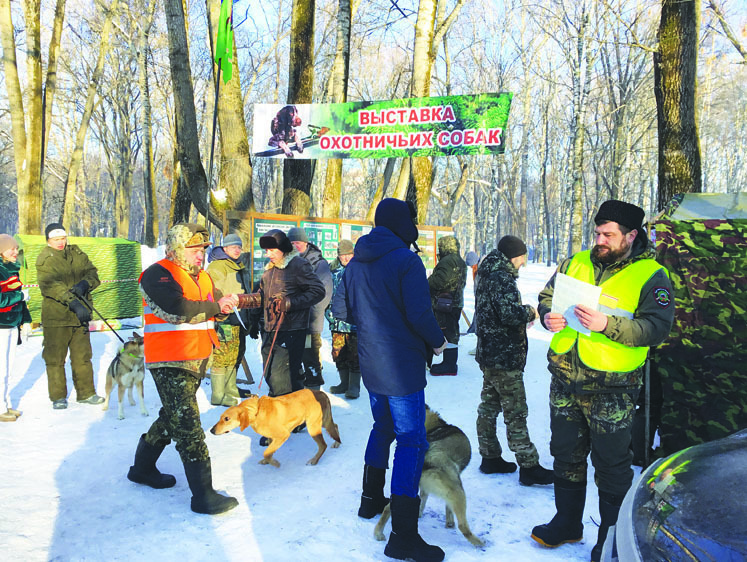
(13,313)
(448,280)
(230,277)
(596,358)
(66,278)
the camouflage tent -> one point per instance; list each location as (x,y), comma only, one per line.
(702,240)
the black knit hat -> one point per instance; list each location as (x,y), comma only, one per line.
(512,247)
(625,214)
(276,239)
(54,226)
(396,215)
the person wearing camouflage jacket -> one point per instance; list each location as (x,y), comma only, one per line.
(502,322)
(180,305)
(344,335)
(596,378)
(66,278)
(448,280)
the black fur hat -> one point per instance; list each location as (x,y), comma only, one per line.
(276,239)
(625,214)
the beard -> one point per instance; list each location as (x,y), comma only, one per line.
(606,255)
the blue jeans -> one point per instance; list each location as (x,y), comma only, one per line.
(401,418)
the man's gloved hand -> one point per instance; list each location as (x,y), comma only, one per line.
(80,289)
(83,314)
(281,304)
(254,330)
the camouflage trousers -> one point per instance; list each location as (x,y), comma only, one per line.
(179,416)
(598,423)
(345,350)
(226,356)
(503,391)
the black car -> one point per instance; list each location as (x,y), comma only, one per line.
(689,506)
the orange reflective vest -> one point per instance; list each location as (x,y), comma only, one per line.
(165,341)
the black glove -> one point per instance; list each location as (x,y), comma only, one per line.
(83,314)
(254,330)
(80,289)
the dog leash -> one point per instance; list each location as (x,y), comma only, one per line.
(272,345)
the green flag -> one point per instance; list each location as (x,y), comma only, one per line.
(224,41)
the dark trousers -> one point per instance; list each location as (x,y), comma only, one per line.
(57,341)
(312,360)
(449,323)
(284,374)
(179,416)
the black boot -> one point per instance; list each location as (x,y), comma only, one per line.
(144,470)
(373,501)
(566,526)
(448,367)
(341,388)
(497,466)
(354,384)
(609,507)
(535,475)
(204,498)
(404,542)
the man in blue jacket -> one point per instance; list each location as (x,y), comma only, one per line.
(384,292)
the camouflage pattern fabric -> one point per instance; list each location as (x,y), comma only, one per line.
(450,273)
(701,365)
(227,354)
(179,416)
(57,340)
(599,424)
(503,391)
(345,350)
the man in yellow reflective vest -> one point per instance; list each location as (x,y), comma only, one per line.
(180,303)
(596,376)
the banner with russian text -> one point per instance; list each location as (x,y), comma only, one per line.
(447,125)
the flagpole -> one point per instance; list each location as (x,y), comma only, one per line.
(212,149)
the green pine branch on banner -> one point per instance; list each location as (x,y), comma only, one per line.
(224,40)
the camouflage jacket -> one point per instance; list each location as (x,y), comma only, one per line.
(450,273)
(501,318)
(649,327)
(336,325)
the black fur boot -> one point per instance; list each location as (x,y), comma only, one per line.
(405,543)
(566,526)
(373,501)
(144,470)
(204,498)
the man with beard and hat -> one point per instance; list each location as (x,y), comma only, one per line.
(384,292)
(596,378)
(180,303)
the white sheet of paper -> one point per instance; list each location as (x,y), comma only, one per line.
(568,293)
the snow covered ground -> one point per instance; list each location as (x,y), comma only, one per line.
(64,493)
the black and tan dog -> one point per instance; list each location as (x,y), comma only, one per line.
(276,417)
(448,455)
(127,370)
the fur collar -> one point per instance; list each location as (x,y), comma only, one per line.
(283,264)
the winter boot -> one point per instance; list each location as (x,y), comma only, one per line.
(566,526)
(404,541)
(497,466)
(354,385)
(609,507)
(373,501)
(144,470)
(231,391)
(217,386)
(204,498)
(535,475)
(447,367)
(341,388)
(8,417)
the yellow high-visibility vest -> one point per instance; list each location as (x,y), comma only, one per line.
(620,295)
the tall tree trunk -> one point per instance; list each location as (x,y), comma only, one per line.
(675,67)
(340,73)
(188,142)
(67,211)
(297,174)
(149,183)
(382,188)
(235,165)
(50,84)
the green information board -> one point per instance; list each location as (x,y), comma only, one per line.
(324,235)
(353,231)
(258,254)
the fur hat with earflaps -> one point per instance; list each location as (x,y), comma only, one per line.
(276,239)
(185,235)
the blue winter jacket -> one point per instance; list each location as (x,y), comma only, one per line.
(384,292)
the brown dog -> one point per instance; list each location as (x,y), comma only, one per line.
(276,417)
